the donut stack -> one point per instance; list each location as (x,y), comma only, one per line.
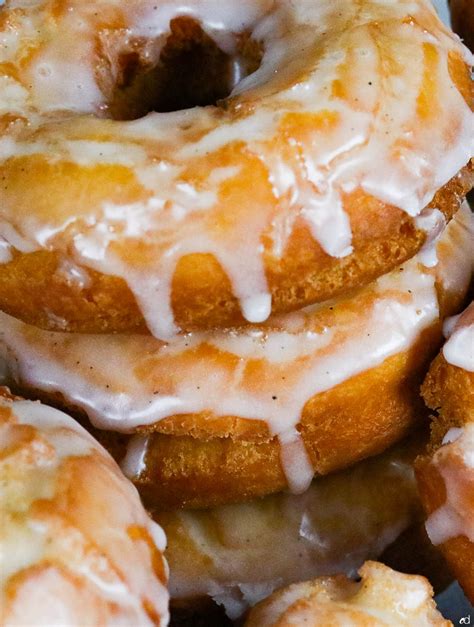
(229,236)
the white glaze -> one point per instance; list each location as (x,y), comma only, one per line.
(459,349)
(449,325)
(295,461)
(433,222)
(372,135)
(452,435)
(123,382)
(133,464)
(455,463)
(67,556)
(455,271)
(5,251)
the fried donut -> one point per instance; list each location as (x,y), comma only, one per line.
(462,17)
(330,128)
(336,525)
(446,473)
(77,546)
(226,416)
(382,597)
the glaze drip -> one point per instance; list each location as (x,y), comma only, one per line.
(459,349)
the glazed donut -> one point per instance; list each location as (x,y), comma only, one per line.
(382,597)
(446,473)
(333,527)
(225,416)
(330,128)
(462,17)
(77,546)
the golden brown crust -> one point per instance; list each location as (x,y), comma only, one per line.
(449,390)
(33,288)
(462,17)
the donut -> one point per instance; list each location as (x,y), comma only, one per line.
(175,166)
(445,473)
(77,546)
(333,527)
(381,597)
(425,560)
(462,17)
(225,416)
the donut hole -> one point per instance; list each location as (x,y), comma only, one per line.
(190,71)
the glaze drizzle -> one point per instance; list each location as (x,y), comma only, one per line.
(459,349)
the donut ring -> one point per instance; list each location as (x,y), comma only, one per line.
(212,553)
(221,417)
(445,474)
(382,597)
(305,182)
(89,554)
(462,17)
